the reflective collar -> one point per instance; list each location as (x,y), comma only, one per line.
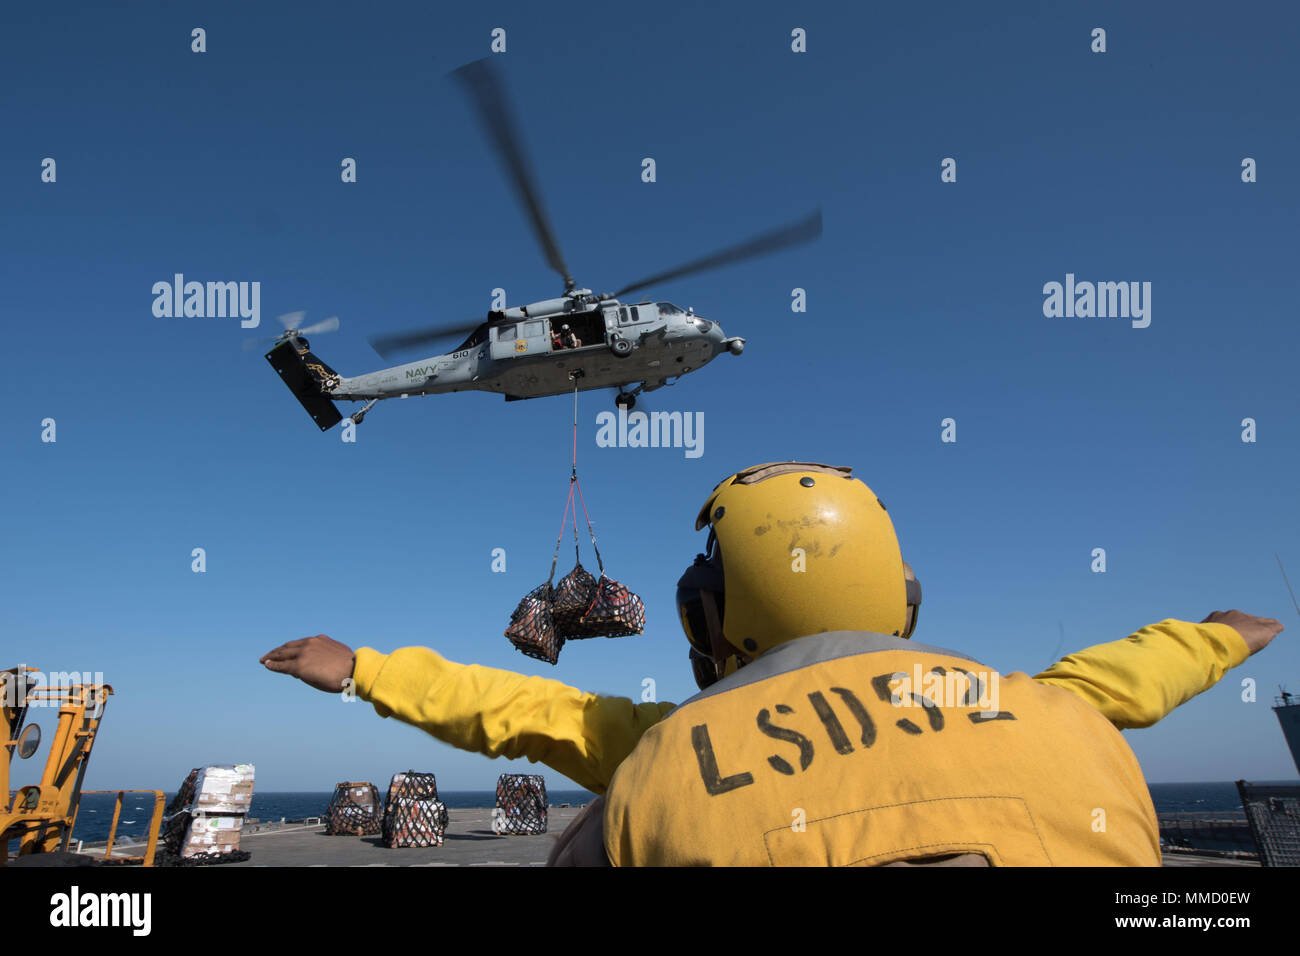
(815,649)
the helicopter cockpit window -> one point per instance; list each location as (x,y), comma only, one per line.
(622,316)
(667,308)
(635,315)
(476,338)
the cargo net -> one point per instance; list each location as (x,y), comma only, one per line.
(174,830)
(164,857)
(354,811)
(580,605)
(521,804)
(185,795)
(413,814)
(168,858)
(1274,816)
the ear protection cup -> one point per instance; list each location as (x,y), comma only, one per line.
(705,671)
(913,600)
(705,574)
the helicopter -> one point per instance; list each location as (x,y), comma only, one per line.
(579,340)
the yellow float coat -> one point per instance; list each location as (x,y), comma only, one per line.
(1131,683)
(852,748)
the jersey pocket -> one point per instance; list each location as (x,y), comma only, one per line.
(999,828)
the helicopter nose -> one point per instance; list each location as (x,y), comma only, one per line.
(717,338)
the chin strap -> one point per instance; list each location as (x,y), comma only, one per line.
(722,648)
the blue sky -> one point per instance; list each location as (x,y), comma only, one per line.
(924,302)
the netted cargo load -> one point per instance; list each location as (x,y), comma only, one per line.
(573,595)
(413,814)
(354,810)
(580,605)
(203,822)
(532,629)
(614,611)
(521,803)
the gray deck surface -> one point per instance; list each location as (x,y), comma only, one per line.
(469,841)
(1199,859)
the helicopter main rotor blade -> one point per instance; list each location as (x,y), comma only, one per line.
(290,320)
(387,345)
(804,230)
(494,109)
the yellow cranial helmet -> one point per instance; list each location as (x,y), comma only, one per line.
(797,548)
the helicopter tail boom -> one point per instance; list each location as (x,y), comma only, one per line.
(307,377)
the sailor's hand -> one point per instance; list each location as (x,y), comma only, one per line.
(320,661)
(1255,631)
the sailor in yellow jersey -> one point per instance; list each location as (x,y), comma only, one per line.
(822,734)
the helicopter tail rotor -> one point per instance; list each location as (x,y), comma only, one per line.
(291,322)
(326,325)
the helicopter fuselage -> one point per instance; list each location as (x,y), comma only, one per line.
(547,348)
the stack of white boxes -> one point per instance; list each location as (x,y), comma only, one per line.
(214,817)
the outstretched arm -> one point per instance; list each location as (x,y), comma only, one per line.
(1137,681)
(486,710)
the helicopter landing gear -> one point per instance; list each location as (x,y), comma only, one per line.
(627,400)
(357,417)
(620,346)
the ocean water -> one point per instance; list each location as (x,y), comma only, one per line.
(97,811)
(1203,797)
